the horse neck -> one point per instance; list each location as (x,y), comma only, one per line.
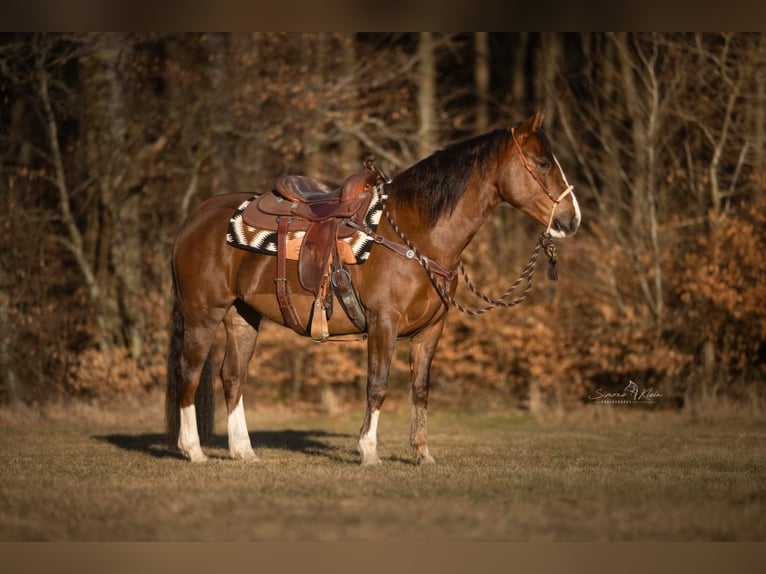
(445,241)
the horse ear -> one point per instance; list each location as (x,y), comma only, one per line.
(531,124)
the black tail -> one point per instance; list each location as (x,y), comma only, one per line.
(204,403)
(204,400)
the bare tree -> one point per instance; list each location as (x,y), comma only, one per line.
(426,94)
(349,112)
(481,78)
(73,238)
(630,94)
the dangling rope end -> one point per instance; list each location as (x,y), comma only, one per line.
(546,241)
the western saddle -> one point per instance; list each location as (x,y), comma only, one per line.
(303,204)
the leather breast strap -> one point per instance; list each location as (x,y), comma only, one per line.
(404,251)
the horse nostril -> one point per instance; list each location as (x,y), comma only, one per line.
(565,228)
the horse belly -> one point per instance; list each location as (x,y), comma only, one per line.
(256,287)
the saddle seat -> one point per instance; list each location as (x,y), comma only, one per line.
(305,189)
(308,200)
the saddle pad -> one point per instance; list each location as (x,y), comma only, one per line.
(359,245)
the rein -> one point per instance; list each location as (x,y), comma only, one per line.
(432,268)
(545,241)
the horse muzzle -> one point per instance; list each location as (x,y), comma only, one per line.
(565,219)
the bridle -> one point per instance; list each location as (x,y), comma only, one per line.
(541,183)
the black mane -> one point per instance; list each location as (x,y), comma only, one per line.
(435,184)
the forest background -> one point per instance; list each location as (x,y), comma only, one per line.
(107,141)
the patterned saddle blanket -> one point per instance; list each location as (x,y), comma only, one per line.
(354,246)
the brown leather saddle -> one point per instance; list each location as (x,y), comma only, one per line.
(304,204)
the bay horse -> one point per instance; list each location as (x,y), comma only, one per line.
(437,205)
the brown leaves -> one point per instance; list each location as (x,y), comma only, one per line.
(722,289)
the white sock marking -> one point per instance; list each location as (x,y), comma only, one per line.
(368,443)
(188,438)
(239,438)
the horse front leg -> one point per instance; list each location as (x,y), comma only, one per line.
(380,349)
(241,336)
(422,349)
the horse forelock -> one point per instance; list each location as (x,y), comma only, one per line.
(435,185)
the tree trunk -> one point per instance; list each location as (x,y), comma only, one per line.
(119,181)
(759,119)
(349,145)
(249,151)
(641,91)
(318,46)
(481,79)
(551,56)
(519,73)
(7,339)
(426,95)
(73,239)
(219,112)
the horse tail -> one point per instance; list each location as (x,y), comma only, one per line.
(204,399)
(172,398)
(204,403)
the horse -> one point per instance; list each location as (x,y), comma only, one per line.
(436,206)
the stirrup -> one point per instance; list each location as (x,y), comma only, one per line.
(319,329)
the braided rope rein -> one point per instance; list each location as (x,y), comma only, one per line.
(545,241)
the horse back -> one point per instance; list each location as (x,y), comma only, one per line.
(210,216)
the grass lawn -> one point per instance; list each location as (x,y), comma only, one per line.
(81,473)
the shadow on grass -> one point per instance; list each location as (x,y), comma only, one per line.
(310,442)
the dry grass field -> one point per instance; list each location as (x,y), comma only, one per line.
(104,474)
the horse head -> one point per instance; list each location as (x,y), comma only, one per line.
(535,182)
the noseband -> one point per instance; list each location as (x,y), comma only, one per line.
(541,183)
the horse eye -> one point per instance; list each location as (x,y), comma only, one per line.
(543,164)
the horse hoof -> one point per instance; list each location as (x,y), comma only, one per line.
(423,455)
(196,456)
(244,455)
(371,462)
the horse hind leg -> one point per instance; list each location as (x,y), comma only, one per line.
(197,404)
(241,335)
(189,412)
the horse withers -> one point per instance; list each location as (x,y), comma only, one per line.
(433,210)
